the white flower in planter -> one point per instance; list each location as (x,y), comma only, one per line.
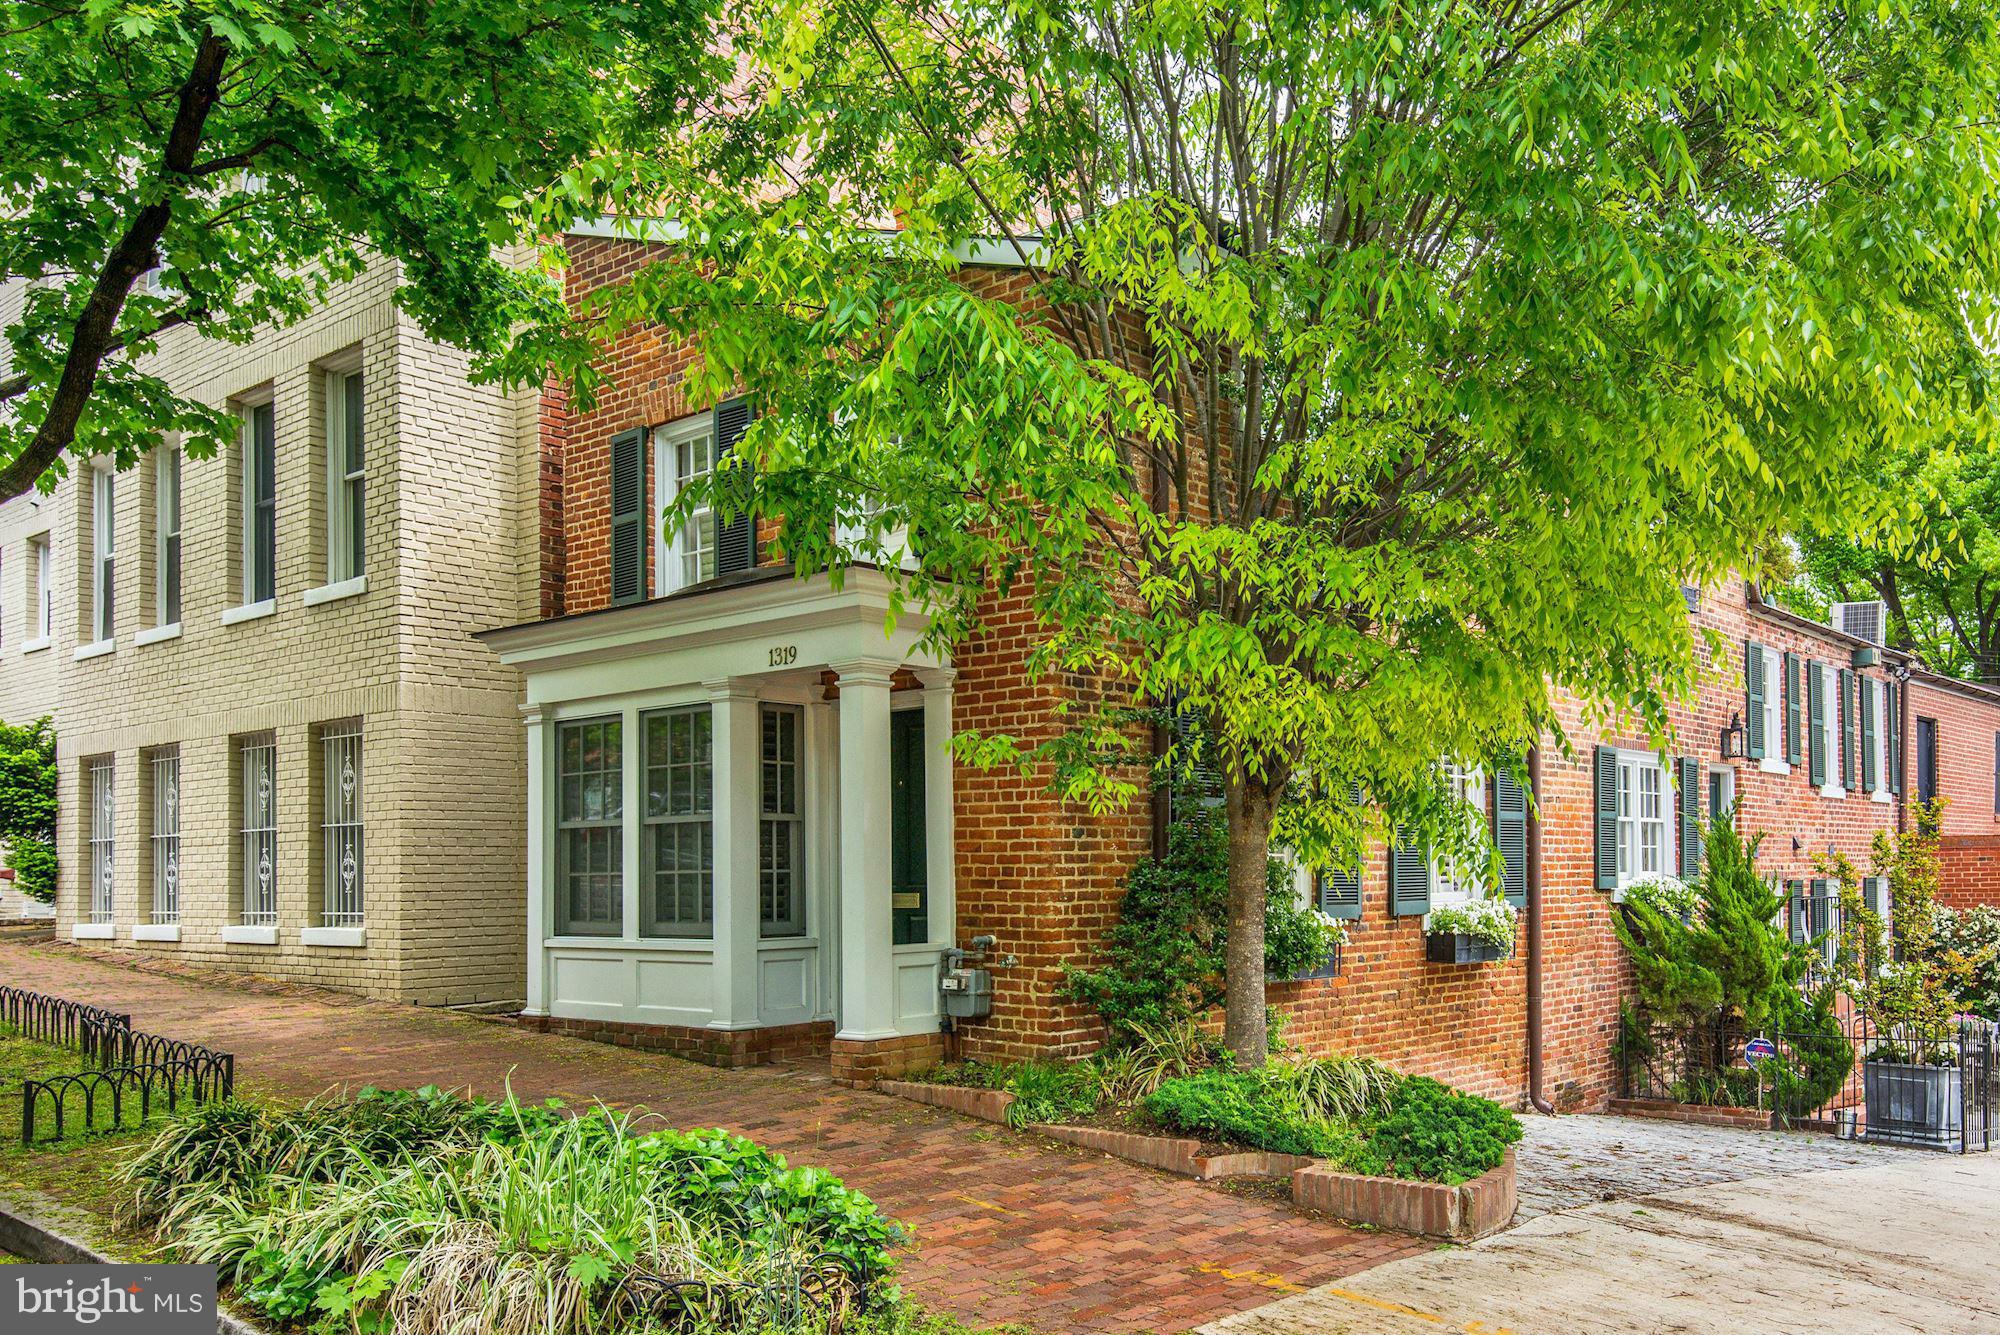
(1488,921)
(1332,928)
(1668,895)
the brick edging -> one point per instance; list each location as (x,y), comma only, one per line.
(1701,1114)
(1434,1209)
(24,1233)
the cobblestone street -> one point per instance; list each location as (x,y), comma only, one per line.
(1566,1162)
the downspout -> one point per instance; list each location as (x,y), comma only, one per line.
(1535,1099)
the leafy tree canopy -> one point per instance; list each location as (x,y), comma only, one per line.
(250,154)
(28,786)
(1385,368)
(1939,574)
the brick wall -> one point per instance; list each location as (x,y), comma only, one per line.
(1046,879)
(443,769)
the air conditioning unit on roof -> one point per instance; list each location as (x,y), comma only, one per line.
(1865,621)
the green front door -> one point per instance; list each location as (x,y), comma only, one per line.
(909,881)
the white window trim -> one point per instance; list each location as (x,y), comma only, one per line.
(232,616)
(1774,714)
(44,608)
(103,552)
(246,507)
(1880,792)
(333,593)
(336,938)
(1629,764)
(1452,883)
(668,576)
(340,520)
(166,524)
(249,934)
(1829,694)
(95,649)
(155,634)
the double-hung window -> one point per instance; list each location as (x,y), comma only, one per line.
(258,506)
(677,845)
(346,479)
(44,604)
(684,453)
(103,553)
(590,817)
(1774,709)
(1645,836)
(103,840)
(1829,725)
(166,537)
(340,824)
(166,836)
(257,830)
(1454,878)
(780,827)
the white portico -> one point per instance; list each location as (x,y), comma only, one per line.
(736,821)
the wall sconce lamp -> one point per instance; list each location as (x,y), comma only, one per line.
(1732,739)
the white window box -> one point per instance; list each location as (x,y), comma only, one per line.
(232,616)
(1832,790)
(333,593)
(156,931)
(345,938)
(93,931)
(35,645)
(248,934)
(156,634)
(95,649)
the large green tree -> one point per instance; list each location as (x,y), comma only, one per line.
(220,163)
(1383,369)
(1937,571)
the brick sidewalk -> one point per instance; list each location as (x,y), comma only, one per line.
(1008,1228)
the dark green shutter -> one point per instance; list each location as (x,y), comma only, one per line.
(1821,921)
(735,539)
(1605,786)
(1510,832)
(1340,889)
(1409,879)
(1689,780)
(1796,896)
(1892,723)
(1753,682)
(1816,723)
(1792,752)
(1867,734)
(630,530)
(1871,893)
(1846,729)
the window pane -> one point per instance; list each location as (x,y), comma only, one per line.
(589,891)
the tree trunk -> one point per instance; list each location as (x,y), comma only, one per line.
(1243,1028)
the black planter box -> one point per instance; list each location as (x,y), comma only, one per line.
(1329,968)
(1458,948)
(1912,1105)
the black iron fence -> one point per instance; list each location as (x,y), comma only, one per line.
(1907,1085)
(129,1075)
(54,1020)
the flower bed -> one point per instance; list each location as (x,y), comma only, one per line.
(1311,1121)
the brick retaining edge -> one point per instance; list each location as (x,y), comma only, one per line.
(1702,1114)
(1461,1213)
(24,1233)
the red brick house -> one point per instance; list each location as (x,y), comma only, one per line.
(749,837)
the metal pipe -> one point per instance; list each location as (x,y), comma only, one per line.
(1535,1099)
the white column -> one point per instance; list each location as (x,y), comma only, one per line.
(539,816)
(736,741)
(939,847)
(867,922)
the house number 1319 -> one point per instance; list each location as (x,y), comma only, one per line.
(784,655)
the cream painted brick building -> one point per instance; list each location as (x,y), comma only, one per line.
(344,682)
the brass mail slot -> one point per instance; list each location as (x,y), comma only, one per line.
(908,899)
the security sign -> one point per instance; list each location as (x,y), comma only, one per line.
(1757,1050)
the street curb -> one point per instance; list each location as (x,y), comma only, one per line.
(25,1230)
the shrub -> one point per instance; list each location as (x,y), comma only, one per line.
(1333,1087)
(1974,935)
(1244,1108)
(510,1220)
(1439,1134)
(1163,959)
(28,805)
